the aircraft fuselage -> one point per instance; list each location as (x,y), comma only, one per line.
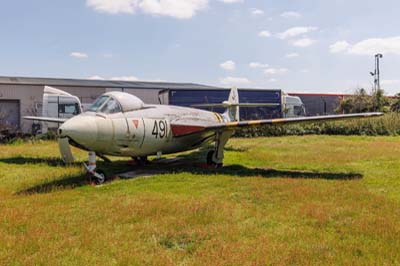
(138,133)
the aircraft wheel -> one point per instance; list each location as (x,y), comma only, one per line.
(98,179)
(142,161)
(219,165)
(210,155)
(210,162)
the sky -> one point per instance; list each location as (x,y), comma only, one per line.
(294,45)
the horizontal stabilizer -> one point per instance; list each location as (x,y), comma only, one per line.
(46,119)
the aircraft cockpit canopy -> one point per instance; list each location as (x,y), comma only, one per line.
(116,102)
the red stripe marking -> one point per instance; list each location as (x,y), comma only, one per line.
(182,130)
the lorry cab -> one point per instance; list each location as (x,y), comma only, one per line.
(59,104)
(293,107)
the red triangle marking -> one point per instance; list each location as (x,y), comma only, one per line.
(136,123)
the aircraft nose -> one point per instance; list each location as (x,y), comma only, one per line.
(80,129)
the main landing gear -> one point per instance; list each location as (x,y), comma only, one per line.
(215,158)
(210,161)
(141,161)
(95,176)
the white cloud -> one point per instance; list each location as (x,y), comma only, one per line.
(338,47)
(264,34)
(295,31)
(228,65)
(113,6)
(391,82)
(291,14)
(272,80)
(122,78)
(391,86)
(257,12)
(292,55)
(155,80)
(231,1)
(275,71)
(305,42)
(258,65)
(369,47)
(377,45)
(233,81)
(96,78)
(108,55)
(125,78)
(79,55)
(180,9)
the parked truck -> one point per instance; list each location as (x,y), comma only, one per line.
(60,104)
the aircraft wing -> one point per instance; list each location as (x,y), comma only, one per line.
(46,119)
(182,129)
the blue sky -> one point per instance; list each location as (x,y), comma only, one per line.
(295,45)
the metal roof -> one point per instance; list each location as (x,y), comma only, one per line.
(100,83)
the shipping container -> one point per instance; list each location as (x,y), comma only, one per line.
(189,98)
(320,103)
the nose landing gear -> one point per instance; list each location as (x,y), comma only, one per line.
(95,176)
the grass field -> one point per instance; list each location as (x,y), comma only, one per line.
(315,200)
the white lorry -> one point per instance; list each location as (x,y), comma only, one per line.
(60,104)
(292,106)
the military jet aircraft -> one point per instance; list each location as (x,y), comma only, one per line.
(121,124)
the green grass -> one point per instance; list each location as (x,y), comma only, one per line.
(314,200)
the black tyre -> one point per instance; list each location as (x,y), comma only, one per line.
(219,165)
(142,161)
(210,155)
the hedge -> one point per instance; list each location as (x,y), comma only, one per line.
(387,125)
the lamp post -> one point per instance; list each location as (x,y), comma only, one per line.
(377,73)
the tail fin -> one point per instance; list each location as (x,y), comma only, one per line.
(232,105)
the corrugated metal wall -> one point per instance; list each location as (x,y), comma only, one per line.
(30,98)
(149,96)
(9,114)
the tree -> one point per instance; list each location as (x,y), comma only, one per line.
(395,107)
(359,102)
(380,102)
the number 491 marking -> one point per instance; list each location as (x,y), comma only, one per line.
(160,129)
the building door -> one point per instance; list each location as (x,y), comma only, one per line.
(9,114)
